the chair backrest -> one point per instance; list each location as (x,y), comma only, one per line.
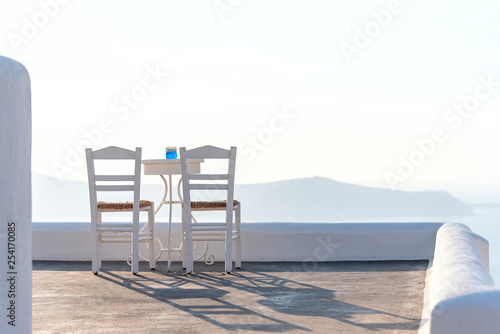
(199,182)
(114,183)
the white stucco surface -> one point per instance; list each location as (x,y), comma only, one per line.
(263,242)
(460,296)
(15,197)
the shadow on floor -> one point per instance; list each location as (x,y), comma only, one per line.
(276,297)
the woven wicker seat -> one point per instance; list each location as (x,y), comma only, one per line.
(211,204)
(121,205)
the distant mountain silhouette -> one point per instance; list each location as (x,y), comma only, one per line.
(314,199)
(320,199)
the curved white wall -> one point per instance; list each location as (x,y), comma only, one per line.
(15,197)
(460,296)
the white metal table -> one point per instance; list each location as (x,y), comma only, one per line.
(169,167)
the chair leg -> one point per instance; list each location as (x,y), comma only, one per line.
(183,242)
(188,244)
(135,246)
(99,253)
(96,259)
(229,245)
(237,249)
(151,224)
(99,242)
(95,256)
(189,253)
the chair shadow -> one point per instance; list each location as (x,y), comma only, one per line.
(277,295)
(214,303)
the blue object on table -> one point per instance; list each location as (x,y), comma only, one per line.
(171,155)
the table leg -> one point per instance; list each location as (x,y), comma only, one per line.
(164,194)
(209,259)
(168,189)
(169,243)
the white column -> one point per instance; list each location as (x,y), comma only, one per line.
(15,198)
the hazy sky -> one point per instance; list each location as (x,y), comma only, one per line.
(402,94)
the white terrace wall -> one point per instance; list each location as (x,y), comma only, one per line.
(15,198)
(304,242)
(460,297)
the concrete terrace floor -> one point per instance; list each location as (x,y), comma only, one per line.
(286,297)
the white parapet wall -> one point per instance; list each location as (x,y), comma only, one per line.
(15,197)
(304,242)
(460,297)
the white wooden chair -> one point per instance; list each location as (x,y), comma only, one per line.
(228,230)
(116,184)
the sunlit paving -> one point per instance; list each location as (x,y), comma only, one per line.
(272,166)
(350,297)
